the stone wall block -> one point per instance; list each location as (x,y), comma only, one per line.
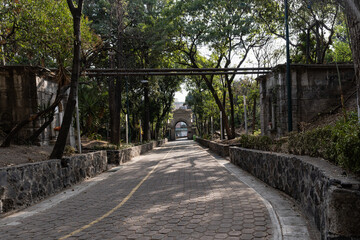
(122,156)
(343,211)
(26,184)
(331,200)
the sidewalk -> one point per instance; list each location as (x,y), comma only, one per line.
(178,191)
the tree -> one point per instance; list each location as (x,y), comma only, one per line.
(138,37)
(311,26)
(201,101)
(70,106)
(228,31)
(352,11)
(40,33)
(163,99)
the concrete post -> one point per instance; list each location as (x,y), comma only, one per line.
(78,124)
(127,128)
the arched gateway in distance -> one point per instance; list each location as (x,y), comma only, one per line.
(181,115)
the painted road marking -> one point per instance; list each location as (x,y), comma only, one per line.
(119,205)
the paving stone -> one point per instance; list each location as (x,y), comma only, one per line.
(189,196)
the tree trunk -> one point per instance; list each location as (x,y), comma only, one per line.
(59,147)
(220,105)
(352,11)
(147,134)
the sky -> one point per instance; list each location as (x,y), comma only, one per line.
(250,62)
(180,96)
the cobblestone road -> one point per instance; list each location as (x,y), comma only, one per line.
(174,192)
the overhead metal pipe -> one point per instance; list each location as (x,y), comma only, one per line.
(174,69)
(169,73)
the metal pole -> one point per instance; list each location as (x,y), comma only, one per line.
(288,73)
(212,128)
(221,127)
(245,116)
(78,124)
(127,129)
(127,109)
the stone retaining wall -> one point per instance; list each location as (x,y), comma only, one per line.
(119,157)
(328,197)
(26,184)
(23,185)
(218,148)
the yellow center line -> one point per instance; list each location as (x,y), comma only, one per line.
(119,205)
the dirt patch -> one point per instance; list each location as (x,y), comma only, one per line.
(21,154)
(16,155)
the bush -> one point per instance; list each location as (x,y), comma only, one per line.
(69,150)
(346,144)
(105,147)
(314,143)
(339,144)
(256,142)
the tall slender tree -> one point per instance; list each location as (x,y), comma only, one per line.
(59,147)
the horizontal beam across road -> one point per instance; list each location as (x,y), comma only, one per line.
(175,72)
(175,69)
(90,74)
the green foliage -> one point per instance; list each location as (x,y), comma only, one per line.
(256,142)
(257,132)
(314,143)
(106,147)
(69,150)
(340,51)
(346,144)
(40,32)
(93,109)
(339,144)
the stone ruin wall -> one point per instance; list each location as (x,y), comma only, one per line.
(23,89)
(315,90)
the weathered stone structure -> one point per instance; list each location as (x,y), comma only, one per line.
(218,148)
(328,197)
(181,115)
(325,195)
(315,89)
(23,91)
(26,184)
(119,157)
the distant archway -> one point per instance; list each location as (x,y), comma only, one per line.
(181,130)
(185,116)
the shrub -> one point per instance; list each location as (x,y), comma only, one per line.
(339,144)
(69,150)
(256,142)
(315,143)
(346,144)
(105,147)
